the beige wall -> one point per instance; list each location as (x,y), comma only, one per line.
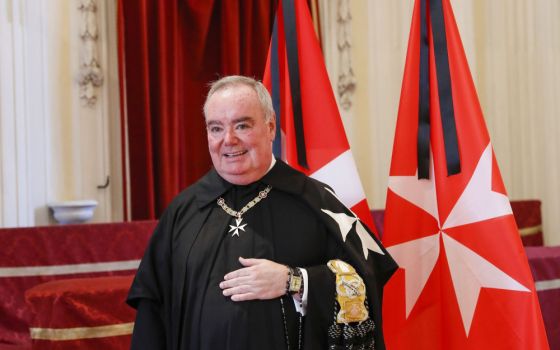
(53,146)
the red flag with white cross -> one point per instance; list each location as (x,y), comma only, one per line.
(310,134)
(464,280)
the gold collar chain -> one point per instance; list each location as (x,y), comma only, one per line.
(237,214)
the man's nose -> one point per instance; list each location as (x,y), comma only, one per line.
(230,137)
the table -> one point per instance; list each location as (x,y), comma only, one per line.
(545,267)
(81,313)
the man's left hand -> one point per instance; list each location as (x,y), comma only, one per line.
(258,279)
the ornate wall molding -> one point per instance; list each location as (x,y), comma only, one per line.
(91,75)
(346,81)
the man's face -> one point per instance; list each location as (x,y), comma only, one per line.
(239,138)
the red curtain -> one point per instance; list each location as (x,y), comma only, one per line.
(169,52)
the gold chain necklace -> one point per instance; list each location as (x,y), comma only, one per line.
(237,214)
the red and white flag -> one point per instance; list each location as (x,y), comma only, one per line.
(311,135)
(464,281)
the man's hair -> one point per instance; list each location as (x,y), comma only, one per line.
(236,80)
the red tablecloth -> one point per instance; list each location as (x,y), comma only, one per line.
(527,214)
(81,313)
(545,267)
(33,255)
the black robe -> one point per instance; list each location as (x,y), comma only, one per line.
(176,292)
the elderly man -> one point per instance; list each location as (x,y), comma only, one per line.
(256,255)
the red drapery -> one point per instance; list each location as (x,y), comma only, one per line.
(169,51)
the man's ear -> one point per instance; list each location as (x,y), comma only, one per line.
(272,127)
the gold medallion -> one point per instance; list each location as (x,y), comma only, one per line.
(350,292)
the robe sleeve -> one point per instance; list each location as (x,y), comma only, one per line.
(149,329)
(374,270)
(154,273)
(321,298)
(320,306)
(322,303)
(149,293)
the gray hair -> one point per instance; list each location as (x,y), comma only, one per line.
(235,80)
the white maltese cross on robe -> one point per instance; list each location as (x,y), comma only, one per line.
(345,223)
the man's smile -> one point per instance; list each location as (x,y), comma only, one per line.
(235,154)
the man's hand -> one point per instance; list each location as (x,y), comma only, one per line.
(258,279)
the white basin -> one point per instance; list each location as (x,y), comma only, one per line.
(73,212)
